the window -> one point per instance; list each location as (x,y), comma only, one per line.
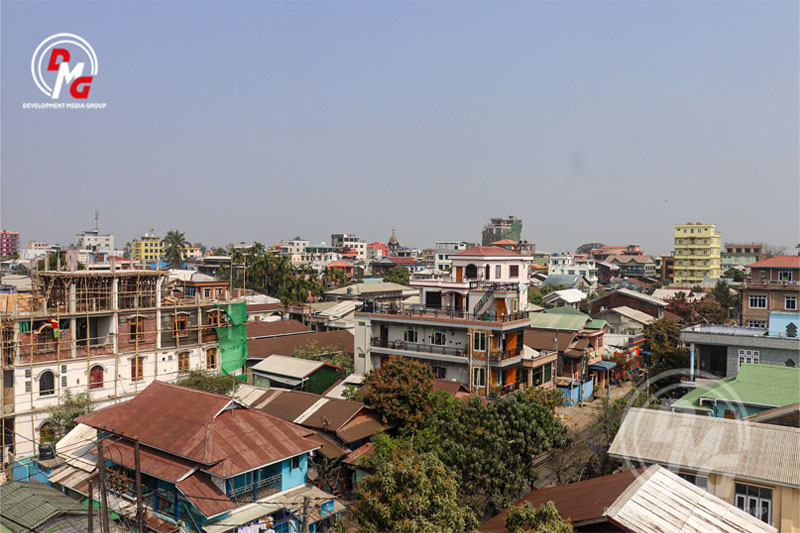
(206,293)
(96,377)
(63,381)
(758,301)
(697,481)
(515,305)
(756,501)
(211,358)
(183,362)
(498,272)
(439,372)
(411,334)
(47,383)
(137,328)
(439,338)
(478,377)
(479,341)
(757,324)
(214,318)
(181,325)
(513,271)
(137,368)
(790,302)
(785,275)
(27,373)
(295,462)
(27,386)
(749,356)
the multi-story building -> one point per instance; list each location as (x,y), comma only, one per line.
(93,241)
(737,254)
(9,243)
(444,250)
(148,248)
(604,252)
(469,326)
(667,267)
(502,228)
(104,333)
(295,246)
(774,285)
(634,266)
(34,250)
(697,252)
(343,242)
(574,265)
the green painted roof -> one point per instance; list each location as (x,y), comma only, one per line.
(566,321)
(765,385)
(595,324)
(566,310)
(32,504)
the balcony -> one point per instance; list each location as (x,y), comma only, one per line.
(502,355)
(770,284)
(413,311)
(263,487)
(418,347)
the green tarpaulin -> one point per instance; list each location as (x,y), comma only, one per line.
(233,338)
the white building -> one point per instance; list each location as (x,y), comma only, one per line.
(341,241)
(294,247)
(444,250)
(572,265)
(92,240)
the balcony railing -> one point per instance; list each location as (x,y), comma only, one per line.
(440,312)
(771,283)
(418,347)
(502,355)
(263,488)
(493,285)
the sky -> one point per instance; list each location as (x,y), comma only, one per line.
(259,121)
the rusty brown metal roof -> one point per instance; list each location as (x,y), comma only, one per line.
(367,450)
(201,491)
(328,448)
(261,328)
(285,404)
(153,462)
(585,501)
(206,428)
(362,426)
(545,340)
(339,340)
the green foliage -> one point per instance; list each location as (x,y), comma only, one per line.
(735,274)
(725,298)
(550,398)
(174,243)
(400,392)
(53,259)
(326,354)
(216,383)
(528,519)
(411,492)
(352,392)
(665,360)
(536,294)
(62,417)
(397,274)
(661,334)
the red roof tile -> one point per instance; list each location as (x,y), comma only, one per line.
(484,251)
(780,261)
(503,242)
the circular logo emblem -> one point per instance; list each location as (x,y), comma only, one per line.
(64,61)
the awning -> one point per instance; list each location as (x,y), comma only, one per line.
(602,365)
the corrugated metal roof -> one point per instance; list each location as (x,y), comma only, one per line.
(153,462)
(364,425)
(658,500)
(570,296)
(263,328)
(206,428)
(633,314)
(293,367)
(201,491)
(570,322)
(357,289)
(747,450)
(26,506)
(339,340)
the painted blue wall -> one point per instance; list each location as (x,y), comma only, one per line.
(292,477)
(573,396)
(26,469)
(779,320)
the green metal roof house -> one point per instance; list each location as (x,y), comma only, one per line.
(754,389)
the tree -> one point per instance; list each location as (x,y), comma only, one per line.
(528,519)
(400,392)
(661,334)
(53,260)
(411,492)
(735,274)
(773,250)
(662,339)
(586,248)
(216,383)
(326,354)
(62,417)
(723,295)
(174,243)
(397,274)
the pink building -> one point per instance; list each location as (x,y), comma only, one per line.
(9,243)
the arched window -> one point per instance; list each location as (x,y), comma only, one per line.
(96,377)
(471,272)
(183,362)
(47,383)
(488,271)
(211,358)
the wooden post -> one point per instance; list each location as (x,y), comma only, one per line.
(304,525)
(101,469)
(91,507)
(138,481)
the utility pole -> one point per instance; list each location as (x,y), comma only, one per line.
(101,469)
(91,507)
(304,526)
(138,481)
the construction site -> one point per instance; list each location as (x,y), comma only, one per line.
(106,334)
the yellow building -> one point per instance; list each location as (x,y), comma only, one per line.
(697,252)
(148,248)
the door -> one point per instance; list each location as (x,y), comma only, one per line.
(459,274)
(384,334)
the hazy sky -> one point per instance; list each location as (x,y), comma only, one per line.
(603,121)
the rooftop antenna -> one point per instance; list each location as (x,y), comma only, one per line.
(96,221)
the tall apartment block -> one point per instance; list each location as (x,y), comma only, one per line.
(9,243)
(148,248)
(697,252)
(499,229)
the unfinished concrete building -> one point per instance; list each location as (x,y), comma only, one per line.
(108,334)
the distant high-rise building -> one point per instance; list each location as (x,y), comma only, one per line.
(697,252)
(502,228)
(9,243)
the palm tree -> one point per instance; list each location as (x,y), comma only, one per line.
(174,243)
